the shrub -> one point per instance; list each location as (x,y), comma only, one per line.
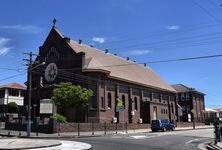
(12,107)
(60,118)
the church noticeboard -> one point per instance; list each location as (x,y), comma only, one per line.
(46,106)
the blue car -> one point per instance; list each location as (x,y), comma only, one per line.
(162,125)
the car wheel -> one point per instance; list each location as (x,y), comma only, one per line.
(173,129)
(164,129)
(153,130)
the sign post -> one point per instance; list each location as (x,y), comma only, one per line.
(46,106)
(119,108)
(193,111)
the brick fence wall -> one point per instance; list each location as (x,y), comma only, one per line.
(88,127)
(189,124)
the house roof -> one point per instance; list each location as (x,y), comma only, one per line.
(180,88)
(13,86)
(213,110)
(118,68)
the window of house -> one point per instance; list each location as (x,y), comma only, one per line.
(135,103)
(166,111)
(156,95)
(2,93)
(13,92)
(182,96)
(161,111)
(160,98)
(22,93)
(102,103)
(123,100)
(109,100)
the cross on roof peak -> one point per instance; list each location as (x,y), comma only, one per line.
(54,22)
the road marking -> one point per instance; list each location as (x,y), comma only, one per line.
(190,141)
(139,137)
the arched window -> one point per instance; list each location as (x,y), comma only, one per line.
(172,108)
(102,103)
(135,103)
(123,100)
(109,100)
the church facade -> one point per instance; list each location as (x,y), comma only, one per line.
(145,96)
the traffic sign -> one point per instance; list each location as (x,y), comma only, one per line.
(119,103)
(193,110)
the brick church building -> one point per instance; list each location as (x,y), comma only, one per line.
(144,94)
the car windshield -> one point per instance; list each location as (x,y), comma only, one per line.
(155,122)
(164,121)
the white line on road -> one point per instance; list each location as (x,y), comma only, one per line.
(190,141)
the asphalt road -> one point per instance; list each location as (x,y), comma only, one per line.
(176,140)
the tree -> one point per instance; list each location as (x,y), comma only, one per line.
(12,107)
(68,95)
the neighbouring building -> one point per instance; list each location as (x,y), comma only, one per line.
(144,94)
(12,92)
(191,102)
(213,113)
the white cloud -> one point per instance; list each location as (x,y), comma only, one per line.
(98,39)
(138,52)
(22,28)
(4,49)
(3,41)
(174,27)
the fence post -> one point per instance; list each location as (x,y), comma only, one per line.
(116,128)
(92,128)
(126,127)
(37,129)
(217,133)
(78,128)
(58,128)
(105,128)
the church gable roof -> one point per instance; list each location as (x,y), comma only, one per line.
(118,67)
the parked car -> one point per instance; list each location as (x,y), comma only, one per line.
(162,125)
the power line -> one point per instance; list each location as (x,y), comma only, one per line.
(12,76)
(184,59)
(206,11)
(150,35)
(12,69)
(168,41)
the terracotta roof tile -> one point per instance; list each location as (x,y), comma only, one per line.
(13,86)
(119,68)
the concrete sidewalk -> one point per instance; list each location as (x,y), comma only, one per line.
(38,144)
(85,134)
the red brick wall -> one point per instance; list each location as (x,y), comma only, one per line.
(189,124)
(87,127)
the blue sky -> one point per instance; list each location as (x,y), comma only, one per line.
(144,30)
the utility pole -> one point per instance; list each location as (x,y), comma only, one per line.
(30,63)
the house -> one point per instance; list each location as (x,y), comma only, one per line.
(213,113)
(12,92)
(144,94)
(192,103)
